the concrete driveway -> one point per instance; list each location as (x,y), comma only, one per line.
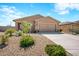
(68,41)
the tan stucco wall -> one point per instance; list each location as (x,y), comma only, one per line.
(41,24)
(66,27)
(76,26)
(46,24)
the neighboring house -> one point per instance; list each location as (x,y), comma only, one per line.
(68,26)
(39,23)
(4,28)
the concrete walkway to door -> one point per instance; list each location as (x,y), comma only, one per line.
(68,41)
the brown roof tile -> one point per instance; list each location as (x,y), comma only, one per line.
(37,17)
(33,17)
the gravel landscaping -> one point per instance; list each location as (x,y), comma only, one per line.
(13,47)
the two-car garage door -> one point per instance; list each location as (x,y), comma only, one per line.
(47,27)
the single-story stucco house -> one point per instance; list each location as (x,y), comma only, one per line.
(68,26)
(39,23)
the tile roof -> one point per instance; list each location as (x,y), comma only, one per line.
(35,17)
(30,17)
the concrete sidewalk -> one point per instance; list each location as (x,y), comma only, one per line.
(68,41)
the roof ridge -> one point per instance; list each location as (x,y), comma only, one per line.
(52,18)
(29,16)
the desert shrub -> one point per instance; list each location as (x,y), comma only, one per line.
(19,33)
(10,31)
(55,50)
(25,30)
(4,39)
(26,41)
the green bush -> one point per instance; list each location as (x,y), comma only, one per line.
(3,39)
(25,30)
(10,31)
(26,41)
(55,50)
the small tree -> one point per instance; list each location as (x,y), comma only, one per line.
(26,27)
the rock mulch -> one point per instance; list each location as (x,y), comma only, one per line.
(13,47)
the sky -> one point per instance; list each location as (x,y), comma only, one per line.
(63,12)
